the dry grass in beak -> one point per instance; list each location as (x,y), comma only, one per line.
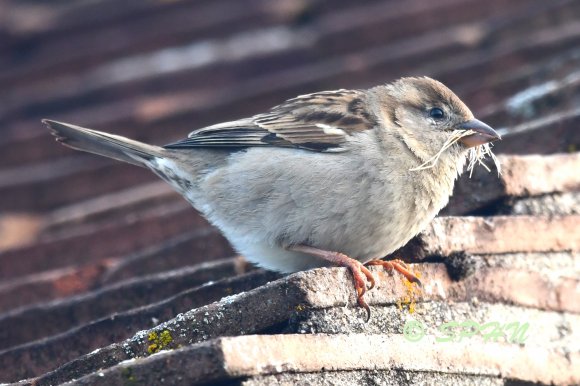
(475,156)
(455,136)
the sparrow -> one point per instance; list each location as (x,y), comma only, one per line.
(340,177)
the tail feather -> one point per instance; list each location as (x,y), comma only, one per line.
(108,145)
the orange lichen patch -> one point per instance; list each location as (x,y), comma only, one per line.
(412,292)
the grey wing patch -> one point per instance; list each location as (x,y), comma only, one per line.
(318,122)
(242,133)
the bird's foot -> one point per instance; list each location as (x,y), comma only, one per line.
(399,266)
(360,273)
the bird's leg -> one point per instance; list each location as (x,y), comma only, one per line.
(358,270)
(397,265)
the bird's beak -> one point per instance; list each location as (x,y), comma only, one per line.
(483,133)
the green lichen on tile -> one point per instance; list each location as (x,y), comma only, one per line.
(152,348)
(158,342)
(166,338)
(128,376)
(300,308)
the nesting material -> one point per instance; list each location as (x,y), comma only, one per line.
(475,156)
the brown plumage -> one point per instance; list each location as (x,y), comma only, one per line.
(302,122)
(336,177)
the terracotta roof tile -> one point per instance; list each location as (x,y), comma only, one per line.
(108,277)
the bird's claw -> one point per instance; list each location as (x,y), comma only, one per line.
(399,266)
(359,274)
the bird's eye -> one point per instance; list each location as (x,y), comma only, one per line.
(436,113)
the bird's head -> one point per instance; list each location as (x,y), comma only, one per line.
(433,122)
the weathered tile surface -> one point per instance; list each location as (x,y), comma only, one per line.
(100,262)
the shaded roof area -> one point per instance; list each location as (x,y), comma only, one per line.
(109,277)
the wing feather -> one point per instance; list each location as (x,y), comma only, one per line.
(318,122)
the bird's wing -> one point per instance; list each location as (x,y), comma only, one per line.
(319,122)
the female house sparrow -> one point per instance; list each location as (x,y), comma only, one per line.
(336,177)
